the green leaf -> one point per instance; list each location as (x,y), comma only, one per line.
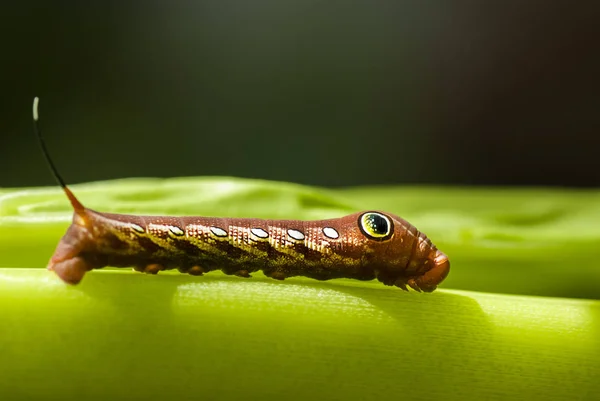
(125,335)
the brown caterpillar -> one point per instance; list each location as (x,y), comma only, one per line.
(363,246)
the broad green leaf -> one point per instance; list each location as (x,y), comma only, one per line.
(125,335)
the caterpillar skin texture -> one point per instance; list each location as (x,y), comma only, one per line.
(361,246)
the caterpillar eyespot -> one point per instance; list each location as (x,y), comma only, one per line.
(362,246)
(376,225)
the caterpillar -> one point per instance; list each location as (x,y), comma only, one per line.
(364,246)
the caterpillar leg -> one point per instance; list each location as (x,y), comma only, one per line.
(411,282)
(236,271)
(242,273)
(196,271)
(152,268)
(193,270)
(400,283)
(277,275)
(68,264)
(71,269)
(386,279)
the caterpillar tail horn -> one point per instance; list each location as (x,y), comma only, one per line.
(77,206)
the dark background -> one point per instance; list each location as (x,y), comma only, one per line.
(317,92)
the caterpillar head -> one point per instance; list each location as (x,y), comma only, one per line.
(400,253)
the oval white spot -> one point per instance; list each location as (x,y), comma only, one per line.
(260,233)
(295,234)
(176,230)
(137,228)
(219,232)
(331,232)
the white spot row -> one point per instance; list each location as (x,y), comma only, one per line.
(297,235)
(173,229)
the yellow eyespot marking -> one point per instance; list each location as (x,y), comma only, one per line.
(375,225)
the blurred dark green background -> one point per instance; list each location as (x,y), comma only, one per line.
(317,92)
